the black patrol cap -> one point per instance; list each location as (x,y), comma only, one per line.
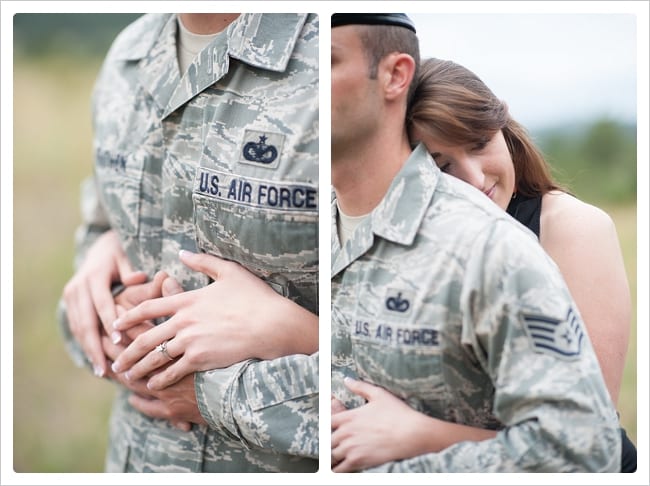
(399,19)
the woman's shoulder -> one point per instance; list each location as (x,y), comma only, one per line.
(565,216)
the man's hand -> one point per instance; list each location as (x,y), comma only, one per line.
(175,409)
(238,316)
(132,296)
(176,403)
(88,299)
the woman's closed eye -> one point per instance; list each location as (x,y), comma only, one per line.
(477,147)
(442,165)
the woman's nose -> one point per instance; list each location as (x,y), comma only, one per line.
(471,172)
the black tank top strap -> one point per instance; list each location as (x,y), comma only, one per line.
(526,210)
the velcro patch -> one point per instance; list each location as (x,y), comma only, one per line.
(258,193)
(562,338)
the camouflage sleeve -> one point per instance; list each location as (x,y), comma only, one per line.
(523,328)
(269,404)
(94,223)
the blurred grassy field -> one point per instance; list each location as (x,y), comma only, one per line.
(626,225)
(61,412)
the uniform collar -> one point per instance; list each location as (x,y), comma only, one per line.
(264,41)
(398,216)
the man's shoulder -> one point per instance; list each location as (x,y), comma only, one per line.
(135,40)
(468,216)
(458,200)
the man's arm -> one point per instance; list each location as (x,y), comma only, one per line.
(94,224)
(88,297)
(270,404)
(549,391)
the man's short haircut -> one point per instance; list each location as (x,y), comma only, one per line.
(380,40)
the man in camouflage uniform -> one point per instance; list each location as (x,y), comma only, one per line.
(443,299)
(222,160)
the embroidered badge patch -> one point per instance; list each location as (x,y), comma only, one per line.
(398,301)
(261,148)
(562,338)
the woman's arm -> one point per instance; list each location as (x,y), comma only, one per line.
(583,242)
(359,435)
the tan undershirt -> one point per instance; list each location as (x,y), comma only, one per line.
(189,45)
(347,225)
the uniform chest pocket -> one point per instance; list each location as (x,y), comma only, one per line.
(119,178)
(271,228)
(402,357)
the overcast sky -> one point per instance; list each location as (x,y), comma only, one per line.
(549,68)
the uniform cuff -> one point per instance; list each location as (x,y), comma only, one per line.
(214,396)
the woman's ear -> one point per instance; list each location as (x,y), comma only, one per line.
(397,70)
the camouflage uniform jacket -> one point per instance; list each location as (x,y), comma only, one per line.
(447,302)
(222,160)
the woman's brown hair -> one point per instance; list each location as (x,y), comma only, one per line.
(453,105)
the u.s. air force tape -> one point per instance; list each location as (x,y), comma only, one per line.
(258,193)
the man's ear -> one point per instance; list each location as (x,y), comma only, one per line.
(397,70)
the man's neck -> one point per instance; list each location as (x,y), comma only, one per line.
(362,178)
(207,23)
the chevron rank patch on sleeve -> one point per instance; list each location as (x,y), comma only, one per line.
(562,338)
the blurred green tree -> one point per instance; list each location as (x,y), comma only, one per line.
(604,143)
(597,161)
(67,34)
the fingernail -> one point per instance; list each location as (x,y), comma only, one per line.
(116,323)
(127,375)
(116,337)
(185,253)
(116,367)
(98,370)
(347,379)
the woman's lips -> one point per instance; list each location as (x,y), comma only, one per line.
(490,192)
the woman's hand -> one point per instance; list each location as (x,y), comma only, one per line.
(88,298)
(237,317)
(372,434)
(387,429)
(176,403)
(180,410)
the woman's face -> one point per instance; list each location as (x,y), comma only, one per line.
(486,166)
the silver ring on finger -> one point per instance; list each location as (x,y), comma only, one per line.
(162,349)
